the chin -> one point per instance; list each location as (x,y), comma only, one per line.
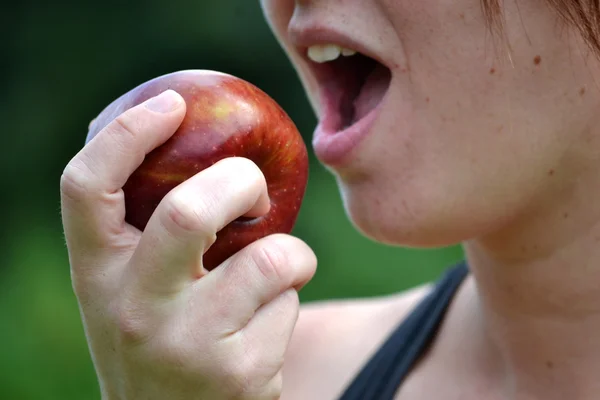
(407,219)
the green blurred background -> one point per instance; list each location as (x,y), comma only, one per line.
(60,65)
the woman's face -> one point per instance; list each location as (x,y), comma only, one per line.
(460,133)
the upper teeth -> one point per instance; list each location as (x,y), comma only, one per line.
(328,52)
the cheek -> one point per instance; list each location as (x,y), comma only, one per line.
(423,213)
(436,176)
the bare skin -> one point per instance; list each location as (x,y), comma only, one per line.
(489,143)
(333,340)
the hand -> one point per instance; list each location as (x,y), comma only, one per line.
(159,326)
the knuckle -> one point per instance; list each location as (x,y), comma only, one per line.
(130,323)
(249,374)
(124,127)
(244,172)
(191,218)
(248,167)
(251,173)
(239,377)
(270,261)
(75,180)
(242,164)
(301,255)
(128,122)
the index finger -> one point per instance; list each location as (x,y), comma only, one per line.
(93,207)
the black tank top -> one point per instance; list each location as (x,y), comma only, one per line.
(383,374)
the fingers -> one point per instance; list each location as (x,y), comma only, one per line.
(185,224)
(92,202)
(269,333)
(258,350)
(254,277)
(273,324)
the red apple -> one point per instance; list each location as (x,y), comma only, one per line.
(226,117)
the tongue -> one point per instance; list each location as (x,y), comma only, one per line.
(372,91)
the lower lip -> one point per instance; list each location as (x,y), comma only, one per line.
(334,148)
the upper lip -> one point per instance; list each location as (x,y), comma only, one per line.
(304,36)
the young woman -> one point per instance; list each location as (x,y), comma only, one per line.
(444,122)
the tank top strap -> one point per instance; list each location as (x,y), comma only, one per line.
(383,374)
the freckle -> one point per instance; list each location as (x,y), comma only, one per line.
(549,364)
(551,172)
(566,215)
(492,71)
(427,99)
(461,15)
(537,60)
(582,91)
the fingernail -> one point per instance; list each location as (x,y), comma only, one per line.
(165,102)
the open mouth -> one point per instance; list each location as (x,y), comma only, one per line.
(352,85)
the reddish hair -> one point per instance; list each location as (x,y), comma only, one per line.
(584,15)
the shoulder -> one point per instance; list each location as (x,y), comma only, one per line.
(332,341)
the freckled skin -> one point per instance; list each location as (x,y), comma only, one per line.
(472,161)
(226,117)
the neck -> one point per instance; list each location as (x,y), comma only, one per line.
(537,291)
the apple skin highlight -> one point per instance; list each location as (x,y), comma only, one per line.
(226,117)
